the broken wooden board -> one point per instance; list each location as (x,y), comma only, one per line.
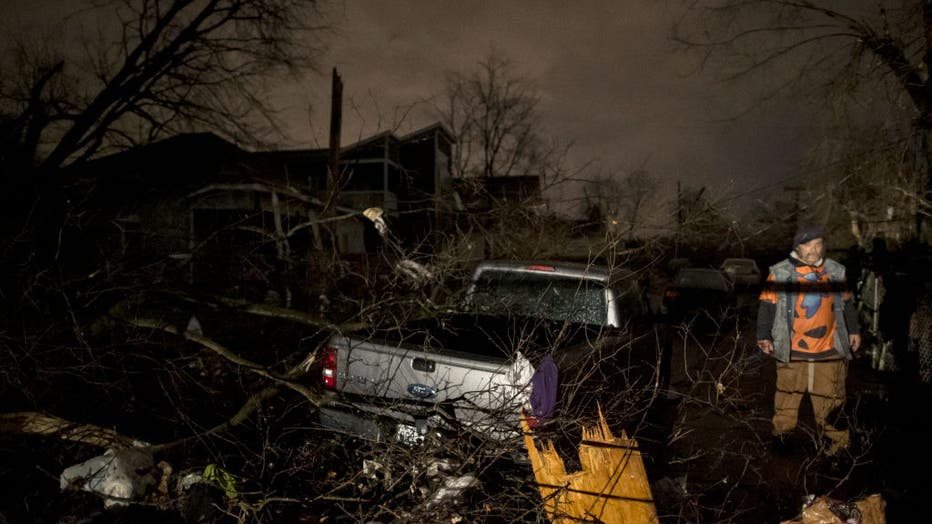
(611,487)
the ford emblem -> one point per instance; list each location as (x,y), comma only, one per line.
(421,391)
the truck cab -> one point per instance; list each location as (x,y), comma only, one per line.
(563,291)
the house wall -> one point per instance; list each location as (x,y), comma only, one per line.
(228,235)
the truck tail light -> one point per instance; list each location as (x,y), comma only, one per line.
(671,293)
(329,367)
(541,268)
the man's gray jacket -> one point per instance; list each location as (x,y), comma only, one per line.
(781,325)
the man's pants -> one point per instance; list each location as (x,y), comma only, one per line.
(825,383)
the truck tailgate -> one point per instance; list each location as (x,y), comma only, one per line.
(375,369)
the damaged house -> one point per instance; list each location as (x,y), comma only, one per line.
(200,209)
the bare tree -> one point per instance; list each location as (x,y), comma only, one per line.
(863,58)
(623,200)
(168,66)
(639,188)
(876,183)
(702,221)
(149,69)
(493,113)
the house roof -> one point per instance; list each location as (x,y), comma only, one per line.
(437,127)
(317,153)
(197,158)
(179,147)
(170,166)
(382,135)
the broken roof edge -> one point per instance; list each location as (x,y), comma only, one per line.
(322,150)
(438,127)
(201,138)
(212,139)
(435,127)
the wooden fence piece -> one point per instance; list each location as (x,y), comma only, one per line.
(612,486)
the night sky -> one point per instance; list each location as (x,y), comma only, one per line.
(609,75)
(610,79)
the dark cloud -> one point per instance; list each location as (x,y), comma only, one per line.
(608,75)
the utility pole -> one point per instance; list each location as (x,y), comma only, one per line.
(336,124)
(332,186)
(679,218)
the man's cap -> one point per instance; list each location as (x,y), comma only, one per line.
(806,233)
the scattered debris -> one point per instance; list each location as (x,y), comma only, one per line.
(520,376)
(452,488)
(375,215)
(119,475)
(414,271)
(223,479)
(825,510)
(376,471)
(612,486)
(166,472)
(194,326)
(187,481)
(439,466)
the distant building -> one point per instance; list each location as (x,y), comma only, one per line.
(228,214)
(405,176)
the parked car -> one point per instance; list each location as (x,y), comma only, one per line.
(699,294)
(741,271)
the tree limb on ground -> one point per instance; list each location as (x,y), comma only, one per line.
(285,380)
(265,310)
(34,423)
(250,406)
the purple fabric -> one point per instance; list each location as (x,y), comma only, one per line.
(544,389)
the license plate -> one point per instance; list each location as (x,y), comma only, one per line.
(408,434)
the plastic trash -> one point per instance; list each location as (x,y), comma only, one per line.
(452,488)
(223,479)
(825,510)
(119,475)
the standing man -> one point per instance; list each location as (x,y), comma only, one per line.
(808,322)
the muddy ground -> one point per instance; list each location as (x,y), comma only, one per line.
(726,466)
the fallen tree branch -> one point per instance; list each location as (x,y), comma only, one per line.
(265,310)
(250,406)
(285,380)
(34,423)
(265,187)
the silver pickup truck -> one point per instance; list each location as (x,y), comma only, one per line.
(473,370)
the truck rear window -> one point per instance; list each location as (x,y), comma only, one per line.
(541,295)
